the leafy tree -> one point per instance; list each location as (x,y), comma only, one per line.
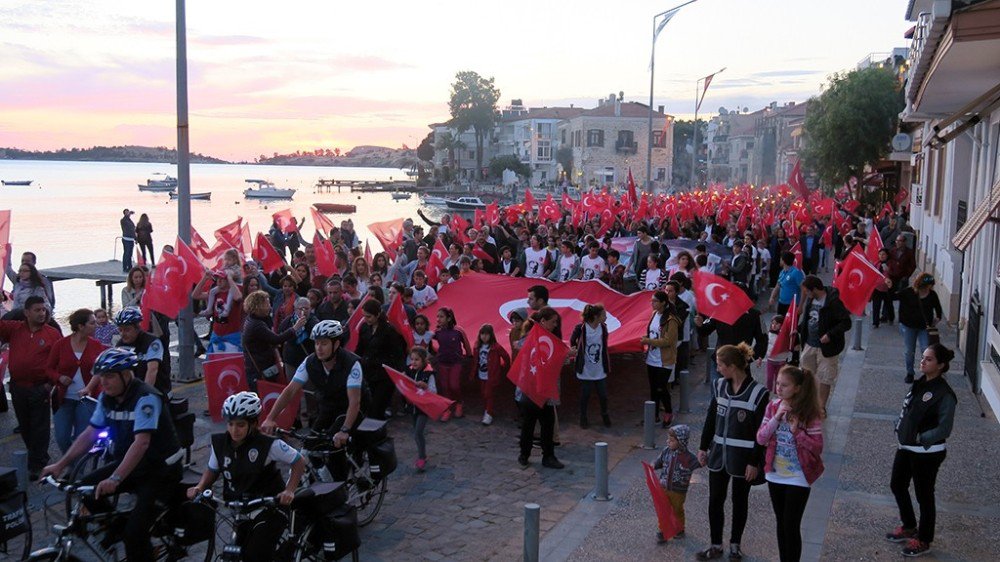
(449,143)
(564,157)
(850,125)
(425,151)
(473,104)
(508,161)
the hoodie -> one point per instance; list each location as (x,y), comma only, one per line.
(676,466)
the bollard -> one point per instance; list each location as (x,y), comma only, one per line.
(648,425)
(709,362)
(601,472)
(21,466)
(858,326)
(532,515)
(683,377)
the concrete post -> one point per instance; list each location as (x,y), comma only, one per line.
(648,425)
(858,326)
(683,378)
(601,472)
(532,517)
(21,466)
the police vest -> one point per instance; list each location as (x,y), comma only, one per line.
(141,347)
(164,447)
(332,386)
(736,426)
(245,471)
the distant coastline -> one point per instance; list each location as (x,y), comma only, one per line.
(357,157)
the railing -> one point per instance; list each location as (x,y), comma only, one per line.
(626,147)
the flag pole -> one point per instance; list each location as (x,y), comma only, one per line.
(694,142)
(185,320)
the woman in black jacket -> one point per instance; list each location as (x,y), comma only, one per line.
(378,343)
(260,358)
(923,426)
(919,312)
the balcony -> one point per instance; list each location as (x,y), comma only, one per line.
(625,147)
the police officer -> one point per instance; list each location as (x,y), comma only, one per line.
(154,362)
(147,455)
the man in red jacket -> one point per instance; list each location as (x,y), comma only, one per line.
(30,342)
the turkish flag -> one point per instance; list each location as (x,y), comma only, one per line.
(434,405)
(493,214)
(482,298)
(549,210)
(607,221)
(167,291)
(874,246)
(194,271)
(901,196)
(353,327)
(389,234)
(665,516)
(797,181)
(323,224)
(482,254)
(851,205)
(223,378)
(789,329)
(326,261)
(887,211)
(632,197)
(461,228)
(285,221)
(400,321)
(269,392)
(212,259)
(368,252)
(198,243)
(529,201)
(266,255)
(478,218)
(796,251)
(230,233)
(856,282)
(719,299)
(246,241)
(536,369)
(828,237)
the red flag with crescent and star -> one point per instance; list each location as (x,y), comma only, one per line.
(719,299)
(797,181)
(230,233)
(285,221)
(223,378)
(266,255)
(874,246)
(785,341)
(856,282)
(269,393)
(536,369)
(398,319)
(326,259)
(353,327)
(434,405)
(493,214)
(166,292)
(322,223)
(665,516)
(389,234)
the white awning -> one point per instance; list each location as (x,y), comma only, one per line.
(970,229)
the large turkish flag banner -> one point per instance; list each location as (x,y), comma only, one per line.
(482,298)
(856,282)
(719,299)
(223,378)
(536,369)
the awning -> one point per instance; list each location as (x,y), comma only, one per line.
(965,118)
(970,229)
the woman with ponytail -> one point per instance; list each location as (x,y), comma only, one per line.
(792,431)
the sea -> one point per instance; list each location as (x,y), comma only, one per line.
(70,214)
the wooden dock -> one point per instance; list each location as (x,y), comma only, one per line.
(105,274)
(366,186)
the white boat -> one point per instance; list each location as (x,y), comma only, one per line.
(267,190)
(465,203)
(22,183)
(201,196)
(168,183)
(432,200)
(398,196)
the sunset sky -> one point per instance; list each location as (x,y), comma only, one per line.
(280,76)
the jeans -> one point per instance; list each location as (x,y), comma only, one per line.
(69,421)
(586,387)
(659,387)
(718,484)
(31,406)
(420,434)
(789,503)
(922,470)
(128,248)
(910,338)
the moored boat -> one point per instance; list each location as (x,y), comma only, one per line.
(433,200)
(167,183)
(267,190)
(340,208)
(22,183)
(399,195)
(465,203)
(201,196)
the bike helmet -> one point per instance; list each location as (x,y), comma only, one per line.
(327,329)
(128,315)
(242,406)
(115,360)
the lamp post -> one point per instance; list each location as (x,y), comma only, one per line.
(659,20)
(185,321)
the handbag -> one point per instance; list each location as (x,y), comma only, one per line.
(933,335)
(272,373)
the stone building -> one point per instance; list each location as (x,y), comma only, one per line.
(532,136)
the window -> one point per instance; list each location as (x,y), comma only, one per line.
(544,150)
(562,136)
(661,174)
(545,129)
(942,154)
(659,139)
(472,154)
(595,137)
(577,136)
(626,137)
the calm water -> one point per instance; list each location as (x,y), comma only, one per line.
(70,213)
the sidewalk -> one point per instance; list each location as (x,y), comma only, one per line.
(850,507)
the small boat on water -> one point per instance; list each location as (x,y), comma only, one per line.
(465,203)
(267,190)
(14,183)
(401,195)
(338,208)
(167,183)
(201,196)
(433,200)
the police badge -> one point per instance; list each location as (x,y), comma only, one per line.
(252,455)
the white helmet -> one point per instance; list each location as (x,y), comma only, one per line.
(327,329)
(242,406)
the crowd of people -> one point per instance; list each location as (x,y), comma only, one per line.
(294,325)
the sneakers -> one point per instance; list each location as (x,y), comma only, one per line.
(735,553)
(901,535)
(916,547)
(908,379)
(679,535)
(522,460)
(659,538)
(458,411)
(550,461)
(710,553)
(606,419)
(420,465)
(584,424)
(487,418)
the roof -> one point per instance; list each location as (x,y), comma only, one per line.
(629,109)
(546,113)
(796,110)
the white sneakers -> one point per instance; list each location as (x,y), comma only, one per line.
(487,418)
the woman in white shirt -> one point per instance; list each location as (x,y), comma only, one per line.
(652,278)
(593,364)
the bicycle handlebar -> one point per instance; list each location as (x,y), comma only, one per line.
(67,487)
(241,505)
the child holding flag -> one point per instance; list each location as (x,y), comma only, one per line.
(676,465)
(775,361)
(417,370)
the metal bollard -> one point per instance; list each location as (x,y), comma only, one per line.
(532,516)
(648,425)
(858,326)
(709,361)
(683,378)
(21,466)
(601,472)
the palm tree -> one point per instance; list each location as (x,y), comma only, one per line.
(451,143)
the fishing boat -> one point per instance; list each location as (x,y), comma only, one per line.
(167,183)
(465,203)
(22,183)
(401,195)
(338,208)
(201,196)
(433,200)
(266,190)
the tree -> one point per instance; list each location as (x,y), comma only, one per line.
(564,157)
(508,162)
(473,104)
(449,143)
(683,139)
(425,151)
(850,125)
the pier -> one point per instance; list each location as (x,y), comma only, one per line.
(105,274)
(366,186)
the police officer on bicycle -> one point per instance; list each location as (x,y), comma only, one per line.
(336,374)
(154,363)
(147,454)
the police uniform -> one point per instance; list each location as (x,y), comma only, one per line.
(149,349)
(331,386)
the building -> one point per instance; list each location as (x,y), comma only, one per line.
(730,140)
(464,149)
(779,138)
(532,136)
(612,138)
(953,110)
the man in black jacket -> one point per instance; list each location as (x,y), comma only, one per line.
(822,328)
(747,329)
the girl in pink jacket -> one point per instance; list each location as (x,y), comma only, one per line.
(792,430)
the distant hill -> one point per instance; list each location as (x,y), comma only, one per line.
(359,156)
(107,154)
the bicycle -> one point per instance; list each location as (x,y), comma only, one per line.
(15,525)
(85,529)
(367,483)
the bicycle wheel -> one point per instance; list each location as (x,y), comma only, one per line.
(368,492)
(18,547)
(85,465)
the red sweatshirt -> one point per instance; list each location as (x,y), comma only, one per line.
(29,351)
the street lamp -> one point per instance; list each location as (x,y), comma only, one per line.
(185,320)
(659,21)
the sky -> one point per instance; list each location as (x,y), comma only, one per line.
(270,77)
